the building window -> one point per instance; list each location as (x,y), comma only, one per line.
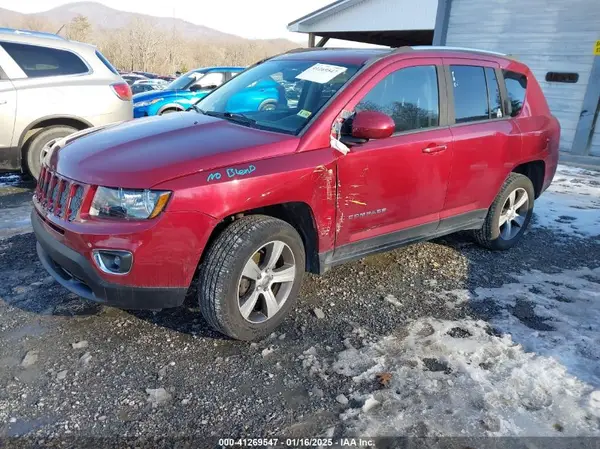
(39,62)
(562,77)
(410,96)
(516,85)
(470,93)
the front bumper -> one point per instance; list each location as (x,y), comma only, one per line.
(140,112)
(76,273)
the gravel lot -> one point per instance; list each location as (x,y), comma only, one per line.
(72,368)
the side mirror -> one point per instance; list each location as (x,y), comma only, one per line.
(372,125)
(367,125)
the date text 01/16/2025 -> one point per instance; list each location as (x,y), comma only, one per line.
(231,173)
(295,442)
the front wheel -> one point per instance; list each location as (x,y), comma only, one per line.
(36,150)
(509,215)
(251,276)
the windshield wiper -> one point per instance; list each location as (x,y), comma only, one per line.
(197,109)
(233,116)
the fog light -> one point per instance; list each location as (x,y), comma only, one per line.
(113,261)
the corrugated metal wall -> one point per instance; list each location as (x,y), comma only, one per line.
(547,35)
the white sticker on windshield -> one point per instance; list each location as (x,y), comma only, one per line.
(321,73)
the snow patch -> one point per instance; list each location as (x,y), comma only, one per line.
(9,180)
(15,220)
(555,315)
(541,377)
(571,205)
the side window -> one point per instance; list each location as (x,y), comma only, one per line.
(495,98)
(39,62)
(470,93)
(516,86)
(211,79)
(410,96)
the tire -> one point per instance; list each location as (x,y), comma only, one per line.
(169,111)
(268,105)
(222,277)
(495,236)
(37,143)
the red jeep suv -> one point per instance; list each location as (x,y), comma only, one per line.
(372,149)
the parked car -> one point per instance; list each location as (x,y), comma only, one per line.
(157,83)
(51,87)
(137,88)
(148,75)
(180,94)
(131,78)
(383,148)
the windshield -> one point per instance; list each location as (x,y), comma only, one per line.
(278,95)
(185,81)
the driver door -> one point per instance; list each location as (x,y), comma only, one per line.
(392,190)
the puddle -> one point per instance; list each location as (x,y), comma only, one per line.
(29,330)
(23,427)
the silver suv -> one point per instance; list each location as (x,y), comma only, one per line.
(51,87)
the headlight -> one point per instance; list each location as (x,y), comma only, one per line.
(142,104)
(128,204)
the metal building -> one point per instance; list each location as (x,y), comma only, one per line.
(558,39)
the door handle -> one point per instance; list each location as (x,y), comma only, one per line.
(2,102)
(435,149)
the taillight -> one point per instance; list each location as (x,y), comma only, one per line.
(122,90)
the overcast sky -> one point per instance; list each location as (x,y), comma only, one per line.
(258,19)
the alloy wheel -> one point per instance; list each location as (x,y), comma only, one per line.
(266,281)
(514,214)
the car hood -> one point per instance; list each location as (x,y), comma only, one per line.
(144,152)
(151,95)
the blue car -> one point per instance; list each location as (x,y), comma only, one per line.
(186,90)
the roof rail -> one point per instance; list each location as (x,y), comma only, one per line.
(30,33)
(443,47)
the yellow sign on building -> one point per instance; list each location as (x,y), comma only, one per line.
(597,48)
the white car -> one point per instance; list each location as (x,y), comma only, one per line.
(51,87)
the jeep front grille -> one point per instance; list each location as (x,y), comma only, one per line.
(60,196)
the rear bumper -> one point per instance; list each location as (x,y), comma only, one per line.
(76,273)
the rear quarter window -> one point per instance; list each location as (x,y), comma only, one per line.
(516,87)
(39,62)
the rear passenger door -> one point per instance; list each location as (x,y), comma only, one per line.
(485,139)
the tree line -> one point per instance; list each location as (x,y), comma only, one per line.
(142,46)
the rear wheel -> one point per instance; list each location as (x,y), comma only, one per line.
(36,150)
(251,276)
(509,215)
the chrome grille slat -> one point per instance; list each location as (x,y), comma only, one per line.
(60,196)
(64,196)
(52,192)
